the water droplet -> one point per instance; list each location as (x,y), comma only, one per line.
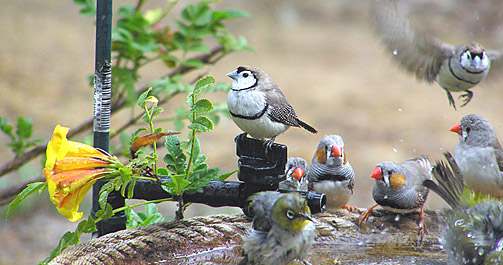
(385,197)
(459,222)
(395,52)
(395,149)
(401,140)
(413,150)
(399,109)
(499,246)
(397,218)
(441,148)
(469,235)
(481,251)
(361,243)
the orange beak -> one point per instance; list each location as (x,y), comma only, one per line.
(456,128)
(376,174)
(336,150)
(298,173)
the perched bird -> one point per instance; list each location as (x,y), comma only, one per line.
(258,107)
(331,173)
(282,229)
(479,155)
(474,228)
(454,68)
(296,171)
(398,187)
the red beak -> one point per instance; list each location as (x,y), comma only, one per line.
(456,128)
(376,174)
(336,150)
(298,173)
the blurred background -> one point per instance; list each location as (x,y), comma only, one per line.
(323,54)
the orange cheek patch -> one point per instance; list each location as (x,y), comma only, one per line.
(396,181)
(321,156)
(345,158)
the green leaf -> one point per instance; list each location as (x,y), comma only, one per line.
(105,213)
(162,172)
(202,106)
(203,17)
(157,111)
(202,84)
(24,128)
(202,124)
(87,226)
(142,97)
(201,178)
(234,14)
(103,194)
(225,175)
(30,189)
(199,48)
(194,62)
(68,239)
(7,129)
(87,7)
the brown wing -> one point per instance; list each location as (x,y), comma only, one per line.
(419,54)
(281,111)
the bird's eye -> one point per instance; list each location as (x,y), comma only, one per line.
(245,75)
(290,214)
(468,130)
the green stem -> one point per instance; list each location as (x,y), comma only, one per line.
(140,204)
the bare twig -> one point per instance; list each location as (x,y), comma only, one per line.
(87,124)
(10,193)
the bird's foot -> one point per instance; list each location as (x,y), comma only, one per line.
(422,227)
(451,99)
(350,208)
(306,262)
(466,97)
(240,137)
(365,215)
(268,146)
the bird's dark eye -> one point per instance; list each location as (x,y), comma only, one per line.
(245,75)
(290,214)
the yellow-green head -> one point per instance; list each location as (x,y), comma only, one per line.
(291,212)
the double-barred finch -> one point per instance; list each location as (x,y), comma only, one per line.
(479,155)
(399,187)
(296,174)
(331,173)
(282,229)
(474,227)
(257,105)
(454,68)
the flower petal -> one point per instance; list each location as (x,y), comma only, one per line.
(69,206)
(72,163)
(77,149)
(57,147)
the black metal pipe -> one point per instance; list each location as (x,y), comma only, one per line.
(220,193)
(102,111)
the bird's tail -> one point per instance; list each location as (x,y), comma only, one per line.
(307,126)
(449,184)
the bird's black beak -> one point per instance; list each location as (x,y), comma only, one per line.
(307,217)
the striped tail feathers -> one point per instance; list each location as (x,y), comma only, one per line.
(449,179)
